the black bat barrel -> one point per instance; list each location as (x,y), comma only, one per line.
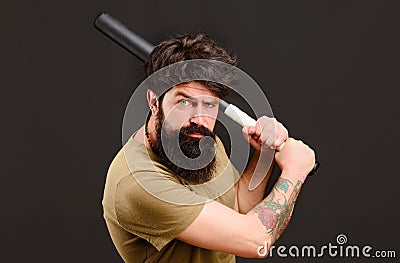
(123,36)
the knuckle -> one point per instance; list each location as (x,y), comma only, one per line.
(282,136)
(263,120)
(285,133)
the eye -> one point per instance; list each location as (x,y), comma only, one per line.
(184,103)
(209,104)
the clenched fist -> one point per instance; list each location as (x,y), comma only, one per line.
(268,132)
(295,159)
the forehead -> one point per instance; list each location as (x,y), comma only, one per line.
(192,89)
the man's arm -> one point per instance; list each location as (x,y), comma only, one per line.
(276,210)
(268,133)
(223,229)
(246,199)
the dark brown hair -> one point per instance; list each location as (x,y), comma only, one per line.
(188,47)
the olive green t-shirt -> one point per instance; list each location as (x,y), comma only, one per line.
(146,207)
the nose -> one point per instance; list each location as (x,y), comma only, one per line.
(200,114)
(198,119)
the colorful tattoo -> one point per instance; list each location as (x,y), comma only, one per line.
(275,211)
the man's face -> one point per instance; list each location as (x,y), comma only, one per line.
(185,142)
(190,103)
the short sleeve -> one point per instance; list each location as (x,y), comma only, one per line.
(155,220)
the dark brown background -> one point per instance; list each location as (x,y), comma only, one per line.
(329,68)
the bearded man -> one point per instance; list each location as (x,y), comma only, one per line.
(161,162)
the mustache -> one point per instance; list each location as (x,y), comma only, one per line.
(194,128)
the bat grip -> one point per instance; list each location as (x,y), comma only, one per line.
(245,120)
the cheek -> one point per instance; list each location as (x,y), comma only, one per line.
(211,115)
(176,119)
(211,122)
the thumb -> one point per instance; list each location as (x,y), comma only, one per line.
(246,134)
(250,130)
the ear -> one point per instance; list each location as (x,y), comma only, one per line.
(152,100)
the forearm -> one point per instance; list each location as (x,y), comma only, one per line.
(275,210)
(247,199)
(246,233)
(252,235)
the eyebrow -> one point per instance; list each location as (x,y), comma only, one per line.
(183,94)
(188,96)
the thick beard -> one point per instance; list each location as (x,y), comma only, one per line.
(189,146)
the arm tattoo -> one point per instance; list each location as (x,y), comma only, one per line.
(275,211)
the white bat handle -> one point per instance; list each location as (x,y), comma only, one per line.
(239,116)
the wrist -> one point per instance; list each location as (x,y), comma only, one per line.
(294,175)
